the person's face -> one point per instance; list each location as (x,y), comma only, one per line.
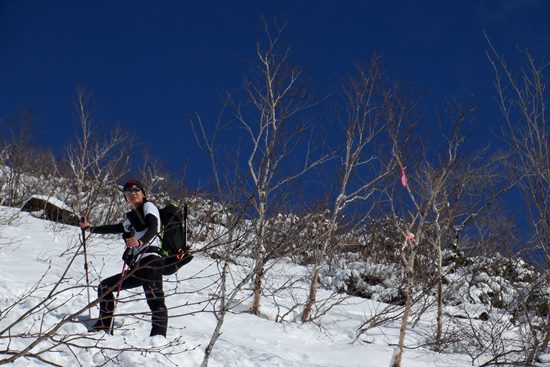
(134,196)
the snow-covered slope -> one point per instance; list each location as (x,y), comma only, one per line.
(35,253)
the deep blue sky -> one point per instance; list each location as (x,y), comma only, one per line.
(153,64)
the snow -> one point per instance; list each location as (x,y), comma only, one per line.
(35,252)
(52,200)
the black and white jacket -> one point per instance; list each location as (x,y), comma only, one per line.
(145,224)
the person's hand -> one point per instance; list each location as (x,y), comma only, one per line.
(132,242)
(84,224)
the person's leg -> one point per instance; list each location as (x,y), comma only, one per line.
(155,295)
(107,303)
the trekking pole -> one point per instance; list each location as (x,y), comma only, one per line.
(86,266)
(185,226)
(122,274)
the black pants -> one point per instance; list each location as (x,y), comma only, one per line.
(147,273)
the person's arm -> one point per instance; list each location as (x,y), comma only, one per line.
(105,229)
(152,225)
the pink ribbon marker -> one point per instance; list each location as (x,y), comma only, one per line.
(403,177)
(410,237)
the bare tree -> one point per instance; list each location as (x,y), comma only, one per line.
(228,243)
(362,167)
(21,163)
(96,163)
(466,184)
(522,99)
(273,128)
(444,195)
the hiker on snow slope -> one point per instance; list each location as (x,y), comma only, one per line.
(140,231)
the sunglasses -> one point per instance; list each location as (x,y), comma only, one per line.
(132,189)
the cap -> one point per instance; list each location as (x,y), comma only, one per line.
(131,183)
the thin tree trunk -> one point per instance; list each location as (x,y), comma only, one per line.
(220,317)
(312,294)
(260,258)
(439,332)
(258,278)
(439,279)
(408,307)
(546,339)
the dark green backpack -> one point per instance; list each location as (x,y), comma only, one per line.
(173,237)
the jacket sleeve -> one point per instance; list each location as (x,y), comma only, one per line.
(108,229)
(152,225)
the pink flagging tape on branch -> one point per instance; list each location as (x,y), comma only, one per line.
(410,237)
(403,177)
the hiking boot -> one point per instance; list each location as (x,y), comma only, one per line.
(100,325)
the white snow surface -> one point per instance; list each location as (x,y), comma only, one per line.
(35,251)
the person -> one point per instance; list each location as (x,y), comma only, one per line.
(140,231)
